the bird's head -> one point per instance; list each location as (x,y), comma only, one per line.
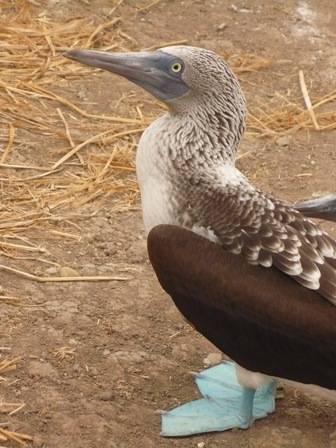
(175,75)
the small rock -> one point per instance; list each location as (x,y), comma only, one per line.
(106,352)
(82,95)
(65,271)
(106,396)
(221,27)
(38,442)
(233,8)
(212,359)
(201,445)
(77,368)
(52,270)
(283,141)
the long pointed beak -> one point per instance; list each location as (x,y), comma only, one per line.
(323,208)
(146,69)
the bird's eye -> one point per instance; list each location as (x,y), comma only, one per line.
(176,67)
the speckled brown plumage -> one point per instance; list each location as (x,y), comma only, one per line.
(263,229)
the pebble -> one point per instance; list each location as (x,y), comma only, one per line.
(201,445)
(283,141)
(38,442)
(106,396)
(212,359)
(221,27)
(77,368)
(82,95)
(65,271)
(52,270)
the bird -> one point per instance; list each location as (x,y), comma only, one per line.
(229,228)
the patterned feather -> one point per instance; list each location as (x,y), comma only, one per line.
(264,229)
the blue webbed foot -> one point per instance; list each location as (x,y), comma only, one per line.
(225,405)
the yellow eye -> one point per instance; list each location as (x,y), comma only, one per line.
(176,67)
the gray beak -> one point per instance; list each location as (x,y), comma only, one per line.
(149,70)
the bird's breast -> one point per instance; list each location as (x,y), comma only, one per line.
(165,191)
(156,188)
(158,205)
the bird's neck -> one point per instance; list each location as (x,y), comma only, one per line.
(207,126)
(199,139)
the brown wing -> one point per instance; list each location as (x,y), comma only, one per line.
(264,321)
(267,232)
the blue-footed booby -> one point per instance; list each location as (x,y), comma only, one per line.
(259,279)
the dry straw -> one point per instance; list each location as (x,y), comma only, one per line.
(56,158)
(11,408)
(59,155)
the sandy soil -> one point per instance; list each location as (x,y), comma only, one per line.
(99,359)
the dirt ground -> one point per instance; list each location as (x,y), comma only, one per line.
(98,359)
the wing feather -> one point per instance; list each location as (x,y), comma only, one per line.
(266,231)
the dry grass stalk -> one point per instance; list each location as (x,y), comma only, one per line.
(31,108)
(10,408)
(281,116)
(10,300)
(7,366)
(307,99)
(146,7)
(15,436)
(167,44)
(63,279)
(65,352)
(247,62)
(93,139)
(9,144)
